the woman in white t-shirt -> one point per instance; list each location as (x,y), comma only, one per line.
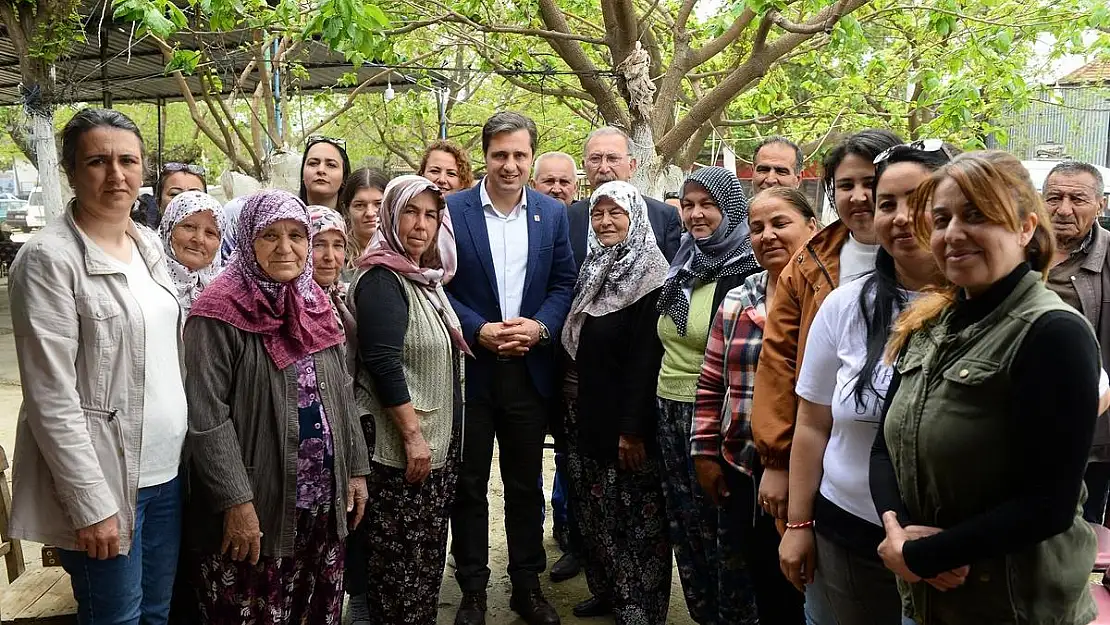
(98,334)
(833,530)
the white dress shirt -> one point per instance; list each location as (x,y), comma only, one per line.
(508,244)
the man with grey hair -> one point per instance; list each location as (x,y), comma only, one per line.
(607,156)
(1075,197)
(556,175)
(512,291)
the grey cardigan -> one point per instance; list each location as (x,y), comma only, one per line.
(244,433)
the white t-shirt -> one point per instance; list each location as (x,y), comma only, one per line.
(856,259)
(835,352)
(165,412)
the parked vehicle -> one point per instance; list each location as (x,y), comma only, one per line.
(32,215)
(8,202)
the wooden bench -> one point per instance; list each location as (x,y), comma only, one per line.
(10,549)
(40,596)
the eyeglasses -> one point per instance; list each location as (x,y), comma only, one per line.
(196,170)
(611,159)
(314,139)
(921,145)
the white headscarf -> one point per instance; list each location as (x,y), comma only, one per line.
(617,276)
(190,283)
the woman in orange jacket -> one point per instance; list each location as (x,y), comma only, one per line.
(840,252)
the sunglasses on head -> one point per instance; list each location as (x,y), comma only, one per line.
(313,140)
(170,168)
(921,145)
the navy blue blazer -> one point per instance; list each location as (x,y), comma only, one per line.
(548,284)
(665,224)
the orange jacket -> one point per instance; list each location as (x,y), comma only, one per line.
(802,287)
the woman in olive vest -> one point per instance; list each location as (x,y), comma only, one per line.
(408,386)
(977,470)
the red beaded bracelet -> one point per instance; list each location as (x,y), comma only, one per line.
(799,526)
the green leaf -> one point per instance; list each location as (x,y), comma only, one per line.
(375,13)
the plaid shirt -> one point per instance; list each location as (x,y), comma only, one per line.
(722,411)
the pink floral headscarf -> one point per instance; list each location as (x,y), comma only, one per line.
(438,264)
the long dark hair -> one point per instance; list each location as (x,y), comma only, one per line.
(866,144)
(342,155)
(880,299)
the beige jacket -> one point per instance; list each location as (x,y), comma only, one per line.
(80,343)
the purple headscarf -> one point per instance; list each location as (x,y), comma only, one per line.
(295,318)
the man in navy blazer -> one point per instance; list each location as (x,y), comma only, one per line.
(512,291)
(608,157)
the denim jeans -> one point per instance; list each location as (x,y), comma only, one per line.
(136,588)
(849,589)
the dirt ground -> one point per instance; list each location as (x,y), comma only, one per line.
(563,596)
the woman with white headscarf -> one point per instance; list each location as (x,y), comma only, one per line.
(408,389)
(191,231)
(615,464)
(715,256)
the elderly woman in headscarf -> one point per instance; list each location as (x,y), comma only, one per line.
(408,384)
(715,256)
(191,232)
(276,456)
(615,465)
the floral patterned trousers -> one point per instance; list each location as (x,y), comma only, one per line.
(305,588)
(714,595)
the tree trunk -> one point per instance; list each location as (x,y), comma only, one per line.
(50,179)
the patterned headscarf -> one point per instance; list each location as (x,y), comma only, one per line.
(615,277)
(437,265)
(324,219)
(230,243)
(295,318)
(726,252)
(190,283)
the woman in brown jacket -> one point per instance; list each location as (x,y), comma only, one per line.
(840,252)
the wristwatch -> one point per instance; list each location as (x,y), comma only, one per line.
(545,336)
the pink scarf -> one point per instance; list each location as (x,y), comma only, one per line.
(437,266)
(295,318)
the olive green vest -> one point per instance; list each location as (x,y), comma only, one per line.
(949,434)
(429,362)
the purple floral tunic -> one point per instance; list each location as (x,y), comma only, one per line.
(315,460)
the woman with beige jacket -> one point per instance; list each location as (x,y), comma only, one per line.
(97,329)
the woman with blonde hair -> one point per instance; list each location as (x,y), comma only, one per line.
(977,470)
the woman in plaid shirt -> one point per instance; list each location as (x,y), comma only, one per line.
(727,465)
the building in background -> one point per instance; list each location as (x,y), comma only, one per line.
(1070,119)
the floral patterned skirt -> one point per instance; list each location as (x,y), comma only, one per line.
(624,536)
(305,588)
(405,538)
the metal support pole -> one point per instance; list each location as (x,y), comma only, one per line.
(105,92)
(275,71)
(442,95)
(161,104)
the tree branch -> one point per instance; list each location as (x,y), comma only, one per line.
(684,14)
(353,95)
(811,28)
(550,34)
(574,56)
(743,77)
(727,38)
(230,117)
